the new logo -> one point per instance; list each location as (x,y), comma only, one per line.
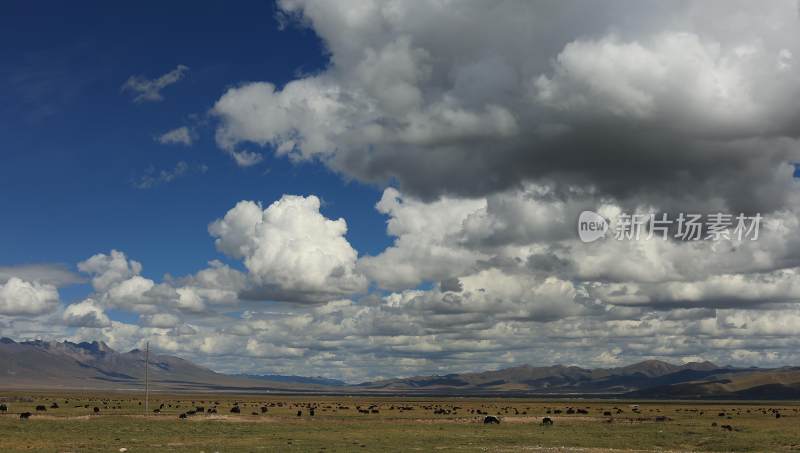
(591,226)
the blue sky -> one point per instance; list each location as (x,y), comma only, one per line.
(73,143)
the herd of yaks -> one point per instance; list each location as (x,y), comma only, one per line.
(311,409)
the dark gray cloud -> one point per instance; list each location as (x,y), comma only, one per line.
(639,103)
(451,284)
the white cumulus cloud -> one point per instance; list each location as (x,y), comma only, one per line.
(86,314)
(20,297)
(292,251)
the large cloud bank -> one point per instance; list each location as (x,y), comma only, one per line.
(667,102)
(492,126)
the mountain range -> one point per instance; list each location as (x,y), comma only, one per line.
(67,365)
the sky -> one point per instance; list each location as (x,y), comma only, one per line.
(368,189)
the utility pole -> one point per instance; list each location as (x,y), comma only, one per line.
(146,379)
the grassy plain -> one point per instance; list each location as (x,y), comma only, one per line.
(391,424)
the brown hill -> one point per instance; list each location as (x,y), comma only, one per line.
(43,364)
(781,383)
(556,379)
(67,365)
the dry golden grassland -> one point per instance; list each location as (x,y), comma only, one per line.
(359,423)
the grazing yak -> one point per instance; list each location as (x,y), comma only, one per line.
(96,410)
(24,415)
(547,421)
(491,420)
(54,405)
(41,409)
(3,408)
(235,410)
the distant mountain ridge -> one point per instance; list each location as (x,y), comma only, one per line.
(94,365)
(298,379)
(556,378)
(45,364)
(648,379)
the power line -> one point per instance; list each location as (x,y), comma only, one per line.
(147,379)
